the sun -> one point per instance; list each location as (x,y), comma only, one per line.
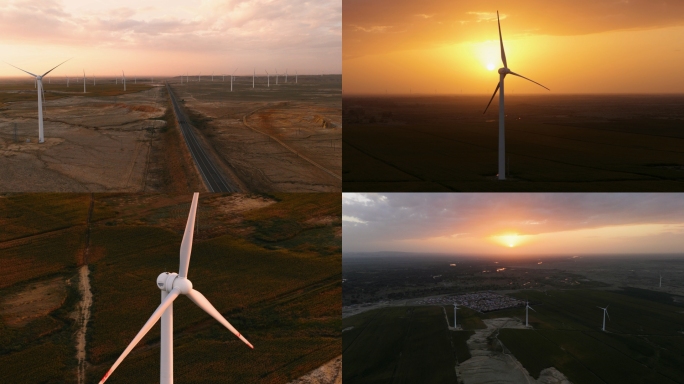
(510,240)
(491,66)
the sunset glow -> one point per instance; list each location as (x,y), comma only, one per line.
(578,47)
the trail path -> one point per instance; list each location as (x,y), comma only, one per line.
(86,301)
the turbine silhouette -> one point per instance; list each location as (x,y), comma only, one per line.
(502,131)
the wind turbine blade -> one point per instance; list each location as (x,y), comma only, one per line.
(503,53)
(203,303)
(490,100)
(607,314)
(515,74)
(56,66)
(143,331)
(532,309)
(186,245)
(22,70)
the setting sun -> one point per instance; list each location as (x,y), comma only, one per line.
(509,240)
(491,66)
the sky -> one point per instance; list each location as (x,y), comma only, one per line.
(570,46)
(514,224)
(169,37)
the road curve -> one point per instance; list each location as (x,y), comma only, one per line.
(211,175)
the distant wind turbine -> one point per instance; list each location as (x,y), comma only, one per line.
(84,82)
(268,80)
(231,80)
(199,78)
(41,97)
(605,313)
(67,77)
(276,76)
(123,77)
(212,76)
(285,75)
(93,79)
(527,306)
(253,75)
(295,77)
(502,132)
(455,309)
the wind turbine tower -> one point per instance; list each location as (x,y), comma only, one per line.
(285,75)
(254,74)
(172,285)
(231,80)
(276,76)
(660,283)
(295,76)
(84,82)
(41,96)
(605,313)
(67,81)
(527,306)
(123,76)
(268,79)
(455,309)
(502,132)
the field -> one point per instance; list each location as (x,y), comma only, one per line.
(284,138)
(643,342)
(553,143)
(99,141)
(281,292)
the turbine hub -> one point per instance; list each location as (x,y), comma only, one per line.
(504,71)
(183,284)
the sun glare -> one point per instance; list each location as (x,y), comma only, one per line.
(491,66)
(509,240)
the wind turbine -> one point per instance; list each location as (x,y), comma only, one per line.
(171,286)
(295,77)
(285,75)
(455,309)
(212,76)
(93,79)
(254,74)
(268,79)
(123,76)
(502,132)
(41,96)
(231,80)
(67,81)
(84,82)
(527,306)
(224,78)
(276,76)
(199,78)
(605,313)
(660,284)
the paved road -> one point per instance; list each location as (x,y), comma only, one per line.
(213,178)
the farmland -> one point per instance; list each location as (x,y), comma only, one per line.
(553,143)
(643,342)
(281,292)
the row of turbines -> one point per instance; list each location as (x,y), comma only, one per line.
(527,308)
(232,78)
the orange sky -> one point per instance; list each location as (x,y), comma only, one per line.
(579,46)
(169,37)
(514,224)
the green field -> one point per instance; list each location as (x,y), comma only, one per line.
(400,344)
(282,293)
(643,343)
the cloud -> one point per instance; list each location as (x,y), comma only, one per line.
(474,20)
(421,216)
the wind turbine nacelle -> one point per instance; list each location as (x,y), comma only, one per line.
(168,281)
(504,71)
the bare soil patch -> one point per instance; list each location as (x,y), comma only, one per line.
(34,301)
(329,373)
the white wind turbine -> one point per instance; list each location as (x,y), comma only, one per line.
(253,75)
(502,74)
(212,76)
(231,80)
(84,82)
(295,77)
(605,313)
(660,284)
(41,96)
(527,306)
(123,77)
(67,77)
(276,76)
(268,80)
(455,309)
(285,75)
(199,78)
(171,286)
